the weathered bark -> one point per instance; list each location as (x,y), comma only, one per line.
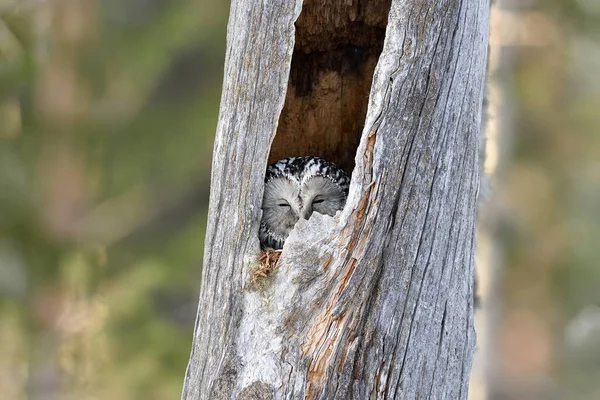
(377,302)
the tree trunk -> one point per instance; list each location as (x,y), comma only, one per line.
(377,302)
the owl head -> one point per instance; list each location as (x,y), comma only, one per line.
(296,187)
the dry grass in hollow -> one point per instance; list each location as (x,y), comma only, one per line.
(267,262)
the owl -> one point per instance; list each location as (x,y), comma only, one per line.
(295,187)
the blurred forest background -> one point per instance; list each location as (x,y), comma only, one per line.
(108,110)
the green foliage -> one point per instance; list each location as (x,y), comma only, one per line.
(551,184)
(107,116)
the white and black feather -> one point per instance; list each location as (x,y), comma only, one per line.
(295,187)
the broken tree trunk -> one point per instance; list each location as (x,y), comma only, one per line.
(376,303)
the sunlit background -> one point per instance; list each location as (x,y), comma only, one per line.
(108,110)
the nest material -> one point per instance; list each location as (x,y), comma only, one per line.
(267,262)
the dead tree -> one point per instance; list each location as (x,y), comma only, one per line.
(377,302)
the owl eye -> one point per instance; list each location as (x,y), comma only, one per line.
(317,201)
(282,204)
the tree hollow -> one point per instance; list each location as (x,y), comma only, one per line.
(335,53)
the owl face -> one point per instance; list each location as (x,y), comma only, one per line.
(295,188)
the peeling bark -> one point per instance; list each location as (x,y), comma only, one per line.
(377,302)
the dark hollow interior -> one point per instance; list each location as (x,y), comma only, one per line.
(337,47)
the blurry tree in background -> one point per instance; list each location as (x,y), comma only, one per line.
(107,113)
(546,203)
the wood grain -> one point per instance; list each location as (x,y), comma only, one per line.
(376,303)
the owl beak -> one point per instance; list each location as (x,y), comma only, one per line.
(307,212)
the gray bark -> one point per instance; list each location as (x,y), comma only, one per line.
(377,302)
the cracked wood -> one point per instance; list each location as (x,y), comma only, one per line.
(376,303)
